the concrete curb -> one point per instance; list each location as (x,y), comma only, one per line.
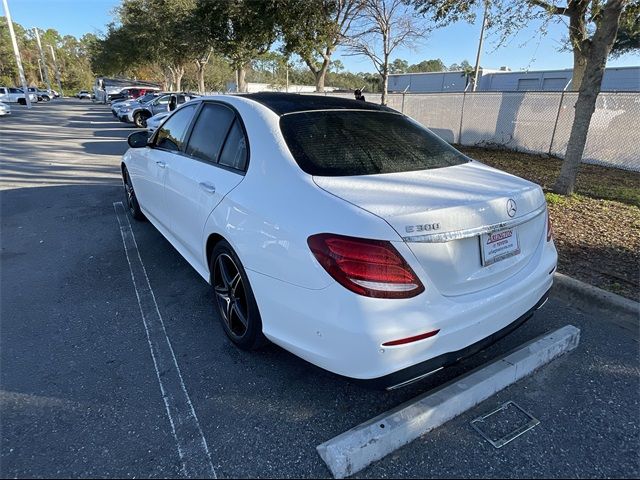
(357,448)
(613,308)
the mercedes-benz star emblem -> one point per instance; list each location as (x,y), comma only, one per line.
(512,208)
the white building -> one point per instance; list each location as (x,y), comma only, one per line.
(270,87)
(622,79)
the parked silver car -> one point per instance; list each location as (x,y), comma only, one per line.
(139,114)
(147,97)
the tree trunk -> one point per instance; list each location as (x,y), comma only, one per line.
(176,77)
(241,73)
(579,68)
(179,74)
(385,87)
(200,66)
(167,83)
(322,73)
(579,38)
(385,80)
(596,53)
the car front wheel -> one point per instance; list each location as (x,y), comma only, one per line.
(236,305)
(140,120)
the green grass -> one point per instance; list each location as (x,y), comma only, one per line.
(593,181)
(555,199)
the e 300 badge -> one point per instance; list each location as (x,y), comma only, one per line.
(427,227)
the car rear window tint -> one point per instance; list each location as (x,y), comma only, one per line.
(343,143)
(209,132)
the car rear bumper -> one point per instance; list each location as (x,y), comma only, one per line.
(346,334)
(421,370)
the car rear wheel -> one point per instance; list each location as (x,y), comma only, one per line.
(140,120)
(234,299)
(132,200)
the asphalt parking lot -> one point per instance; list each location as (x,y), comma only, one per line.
(79,391)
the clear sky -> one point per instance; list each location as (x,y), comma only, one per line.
(529,50)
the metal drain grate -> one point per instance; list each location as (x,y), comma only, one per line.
(504,424)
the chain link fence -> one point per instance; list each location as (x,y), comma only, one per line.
(533,122)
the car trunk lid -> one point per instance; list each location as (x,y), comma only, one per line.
(470,226)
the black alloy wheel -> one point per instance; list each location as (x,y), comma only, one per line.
(234,298)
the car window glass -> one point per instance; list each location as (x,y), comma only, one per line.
(342,143)
(234,153)
(162,100)
(14,90)
(171,135)
(209,132)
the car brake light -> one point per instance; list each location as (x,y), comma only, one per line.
(372,268)
(549,228)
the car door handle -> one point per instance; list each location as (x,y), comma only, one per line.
(161,164)
(207,187)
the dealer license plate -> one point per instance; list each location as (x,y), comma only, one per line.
(498,245)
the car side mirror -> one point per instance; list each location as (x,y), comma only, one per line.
(138,139)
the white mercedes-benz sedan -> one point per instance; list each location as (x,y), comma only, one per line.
(343,231)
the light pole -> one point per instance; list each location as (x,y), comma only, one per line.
(44,63)
(17,54)
(484,25)
(55,64)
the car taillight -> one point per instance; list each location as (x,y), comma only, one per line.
(372,268)
(549,228)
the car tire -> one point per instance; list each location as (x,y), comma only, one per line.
(234,300)
(130,196)
(140,120)
(22,101)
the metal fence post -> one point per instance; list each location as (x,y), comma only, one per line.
(555,125)
(464,96)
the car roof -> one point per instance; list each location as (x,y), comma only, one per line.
(284,103)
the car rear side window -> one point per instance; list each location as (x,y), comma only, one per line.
(234,153)
(209,132)
(342,143)
(171,135)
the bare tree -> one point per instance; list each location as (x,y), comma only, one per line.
(383,26)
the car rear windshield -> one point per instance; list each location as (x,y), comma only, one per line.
(336,143)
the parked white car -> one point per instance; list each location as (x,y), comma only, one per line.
(83,94)
(154,122)
(4,109)
(343,231)
(15,95)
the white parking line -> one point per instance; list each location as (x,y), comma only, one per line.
(357,448)
(192,446)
